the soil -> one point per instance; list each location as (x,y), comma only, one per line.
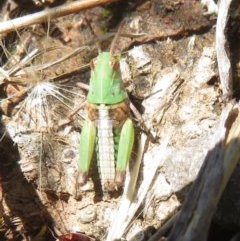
(169,68)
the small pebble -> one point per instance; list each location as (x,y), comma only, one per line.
(87,215)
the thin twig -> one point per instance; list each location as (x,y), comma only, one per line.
(47,14)
(166,227)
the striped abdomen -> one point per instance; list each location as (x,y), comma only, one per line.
(109,120)
(105,142)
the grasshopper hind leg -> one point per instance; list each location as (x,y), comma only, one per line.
(124,151)
(86,149)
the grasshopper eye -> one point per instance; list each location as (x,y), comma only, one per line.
(93,63)
(115,64)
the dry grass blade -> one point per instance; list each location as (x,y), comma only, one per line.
(224,64)
(65,57)
(6,74)
(128,195)
(221,160)
(19,23)
(131,201)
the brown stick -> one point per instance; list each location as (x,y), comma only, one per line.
(18,23)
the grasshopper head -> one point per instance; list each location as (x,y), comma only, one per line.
(106,82)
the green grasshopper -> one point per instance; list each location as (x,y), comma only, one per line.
(108,126)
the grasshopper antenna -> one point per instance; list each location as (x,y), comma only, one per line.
(93,33)
(116,37)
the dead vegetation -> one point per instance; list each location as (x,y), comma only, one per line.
(169,65)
